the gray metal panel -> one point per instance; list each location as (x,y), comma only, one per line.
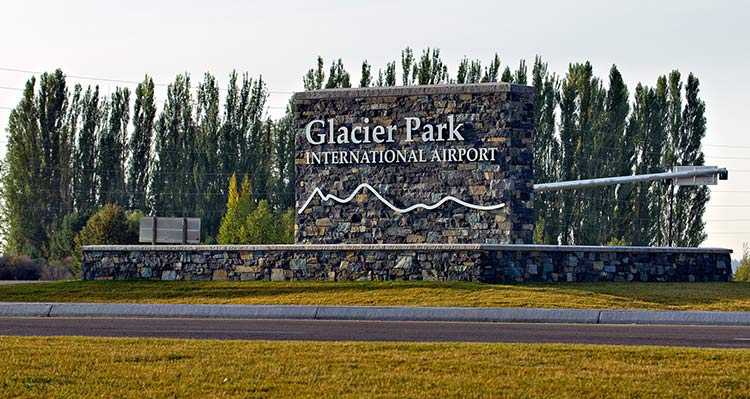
(169,230)
(706,180)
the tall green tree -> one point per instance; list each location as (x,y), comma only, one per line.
(315,77)
(52,105)
(407,61)
(507,76)
(338,77)
(546,150)
(174,151)
(691,200)
(390,74)
(112,150)
(520,75)
(283,155)
(139,146)
(366,76)
(85,178)
(207,181)
(23,189)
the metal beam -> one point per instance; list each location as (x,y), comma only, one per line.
(607,181)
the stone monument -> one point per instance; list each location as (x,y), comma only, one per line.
(415,164)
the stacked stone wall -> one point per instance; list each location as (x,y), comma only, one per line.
(497,118)
(481,263)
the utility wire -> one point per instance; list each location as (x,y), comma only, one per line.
(114,80)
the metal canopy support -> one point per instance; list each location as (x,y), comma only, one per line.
(608,181)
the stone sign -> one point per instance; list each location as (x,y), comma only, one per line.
(415,164)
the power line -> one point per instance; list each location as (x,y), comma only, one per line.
(726,146)
(110,80)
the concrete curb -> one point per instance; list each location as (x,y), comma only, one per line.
(373,313)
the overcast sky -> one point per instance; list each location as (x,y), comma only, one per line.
(281,39)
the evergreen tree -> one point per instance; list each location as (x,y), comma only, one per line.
(144,113)
(230,230)
(260,225)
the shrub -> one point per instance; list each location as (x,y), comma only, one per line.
(6,268)
(58,270)
(743,271)
(108,226)
(26,269)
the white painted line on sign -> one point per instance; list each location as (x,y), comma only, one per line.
(326,197)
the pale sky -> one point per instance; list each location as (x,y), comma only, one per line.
(281,40)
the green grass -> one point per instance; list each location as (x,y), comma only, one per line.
(70,367)
(675,296)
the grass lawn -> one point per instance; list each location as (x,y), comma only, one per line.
(676,296)
(71,367)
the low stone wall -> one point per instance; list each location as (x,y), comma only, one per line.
(462,262)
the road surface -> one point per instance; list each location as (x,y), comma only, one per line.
(324,330)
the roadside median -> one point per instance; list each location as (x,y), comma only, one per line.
(373,313)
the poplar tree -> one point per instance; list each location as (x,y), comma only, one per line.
(569,148)
(691,200)
(55,146)
(507,76)
(546,150)
(144,114)
(315,77)
(520,75)
(22,178)
(253,151)
(390,74)
(463,71)
(338,77)
(207,181)
(174,148)
(85,180)
(366,76)
(112,150)
(284,159)
(492,71)
(407,61)
(614,162)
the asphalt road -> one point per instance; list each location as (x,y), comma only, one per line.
(322,330)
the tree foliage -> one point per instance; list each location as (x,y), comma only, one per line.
(72,151)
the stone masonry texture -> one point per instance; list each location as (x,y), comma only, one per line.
(495,115)
(527,263)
